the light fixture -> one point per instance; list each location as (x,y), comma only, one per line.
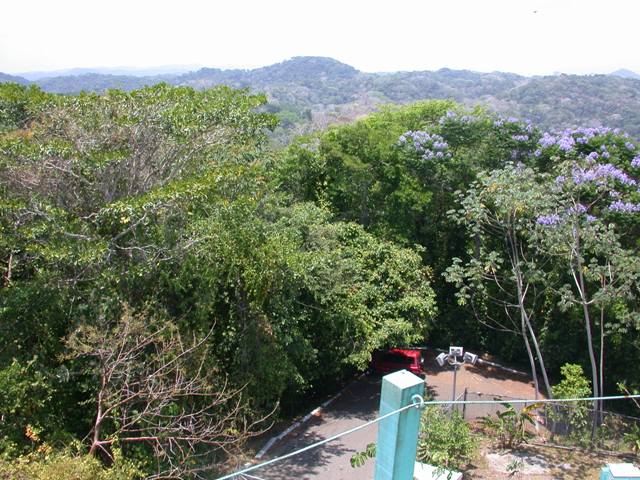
(456,357)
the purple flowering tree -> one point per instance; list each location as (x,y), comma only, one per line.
(595,185)
(498,212)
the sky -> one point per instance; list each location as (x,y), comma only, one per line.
(529,37)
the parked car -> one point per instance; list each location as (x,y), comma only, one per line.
(387,361)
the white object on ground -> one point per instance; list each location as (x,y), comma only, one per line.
(422,471)
(624,470)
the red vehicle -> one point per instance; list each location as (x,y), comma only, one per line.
(396,359)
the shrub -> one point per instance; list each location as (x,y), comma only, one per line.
(66,466)
(510,425)
(574,417)
(24,394)
(445,441)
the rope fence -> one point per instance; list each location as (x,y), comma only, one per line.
(417,402)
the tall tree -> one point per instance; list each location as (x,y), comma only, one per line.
(503,269)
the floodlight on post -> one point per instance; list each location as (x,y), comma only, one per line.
(471,358)
(442,359)
(456,351)
(456,357)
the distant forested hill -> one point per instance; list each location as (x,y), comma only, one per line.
(309,93)
(12,78)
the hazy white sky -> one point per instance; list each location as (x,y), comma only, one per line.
(522,36)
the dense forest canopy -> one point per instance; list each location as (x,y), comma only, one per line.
(172,284)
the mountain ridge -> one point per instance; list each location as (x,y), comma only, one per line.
(624,73)
(309,92)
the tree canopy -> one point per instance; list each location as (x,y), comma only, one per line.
(171,284)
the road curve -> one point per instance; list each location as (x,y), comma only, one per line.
(358,404)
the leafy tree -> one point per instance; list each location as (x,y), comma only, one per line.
(25,396)
(580,230)
(159,199)
(503,269)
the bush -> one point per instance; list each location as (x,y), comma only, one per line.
(573,418)
(24,394)
(510,425)
(445,441)
(66,466)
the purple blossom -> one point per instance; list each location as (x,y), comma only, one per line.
(451,115)
(579,208)
(600,173)
(630,145)
(547,140)
(560,179)
(537,153)
(520,138)
(624,207)
(635,163)
(428,145)
(568,138)
(566,143)
(591,218)
(592,157)
(548,220)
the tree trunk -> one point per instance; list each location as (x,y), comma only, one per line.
(532,361)
(601,364)
(543,369)
(7,274)
(525,320)
(95,442)
(579,277)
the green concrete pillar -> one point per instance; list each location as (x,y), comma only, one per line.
(398,434)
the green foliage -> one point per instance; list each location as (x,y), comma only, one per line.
(514,467)
(510,426)
(293,265)
(445,440)
(160,199)
(25,403)
(49,465)
(19,105)
(577,416)
(573,384)
(358,459)
(632,439)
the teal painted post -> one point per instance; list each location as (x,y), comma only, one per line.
(398,434)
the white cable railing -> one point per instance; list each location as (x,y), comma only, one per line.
(417,402)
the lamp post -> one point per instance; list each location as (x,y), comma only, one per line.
(452,359)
